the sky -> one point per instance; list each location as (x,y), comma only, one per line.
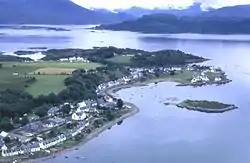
(117,4)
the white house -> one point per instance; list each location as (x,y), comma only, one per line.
(217,79)
(4,148)
(204,78)
(109,99)
(49,125)
(35,148)
(15,74)
(64,59)
(196,79)
(3,134)
(79,116)
(176,68)
(82,104)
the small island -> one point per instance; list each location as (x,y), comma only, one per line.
(28,27)
(25,52)
(206,106)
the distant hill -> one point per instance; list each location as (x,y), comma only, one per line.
(53,12)
(192,10)
(241,11)
(165,23)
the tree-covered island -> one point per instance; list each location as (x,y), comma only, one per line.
(64,99)
(206,106)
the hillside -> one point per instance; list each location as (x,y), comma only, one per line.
(240,11)
(52,12)
(165,23)
(193,10)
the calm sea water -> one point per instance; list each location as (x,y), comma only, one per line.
(162,133)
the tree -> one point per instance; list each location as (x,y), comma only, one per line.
(172,73)
(6,124)
(109,115)
(6,140)
(66,109)
(41,111)
(119,103)
(1,65)
(24,120)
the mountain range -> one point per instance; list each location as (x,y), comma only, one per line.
(53,12)
(192,10)
(166,23)
(58,12)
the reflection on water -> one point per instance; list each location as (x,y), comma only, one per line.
(162,133)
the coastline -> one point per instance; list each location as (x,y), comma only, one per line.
(110,91)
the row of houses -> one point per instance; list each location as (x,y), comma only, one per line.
(75,59)
(203,77)
(43,145)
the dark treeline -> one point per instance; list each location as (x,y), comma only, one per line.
(164,58)
(141,58)
(95,54)
(165,23)
(9,58)
(82,85)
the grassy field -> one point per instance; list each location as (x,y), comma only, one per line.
(9,81)
(69,65)
(181,77)
(46,84)
(120,59)
(53,71)
(12,75)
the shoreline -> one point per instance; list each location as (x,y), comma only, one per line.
(110,91)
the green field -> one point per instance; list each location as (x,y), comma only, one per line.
(76,65)
(12,76)
(9,81)
(46,84)
(182,77)
(120,59)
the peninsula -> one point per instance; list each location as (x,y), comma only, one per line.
(67,97)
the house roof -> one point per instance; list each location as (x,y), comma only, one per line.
(3,134)
(54,121)
(33,127)
(53,110)
(82,104)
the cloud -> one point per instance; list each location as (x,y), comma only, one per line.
(114,4)
(222,3)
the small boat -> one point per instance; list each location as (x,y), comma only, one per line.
(77,157)
(66,157)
